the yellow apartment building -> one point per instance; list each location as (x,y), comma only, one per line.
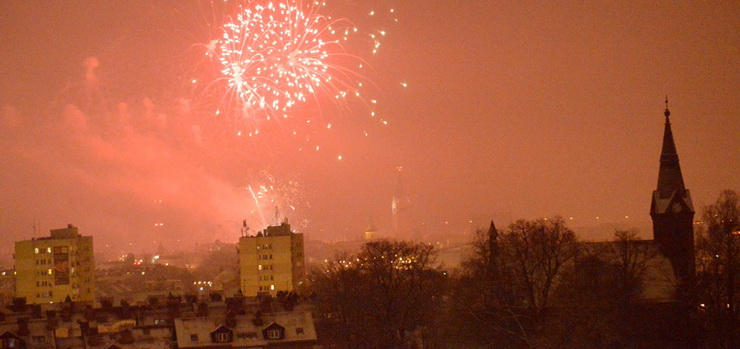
(271,261)
(50,269)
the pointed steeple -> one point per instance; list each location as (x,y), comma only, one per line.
(672,210)
(492,245)
(492,232)
(670,179)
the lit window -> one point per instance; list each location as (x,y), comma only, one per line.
(273,334)
(259,267)
(36,250)
(49,271)
(222,337)
(272,287)
(48,250)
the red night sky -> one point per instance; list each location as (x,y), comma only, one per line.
(513,109)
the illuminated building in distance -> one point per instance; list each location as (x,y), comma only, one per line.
(271,261)
(50,269)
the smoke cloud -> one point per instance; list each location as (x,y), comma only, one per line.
(132,173)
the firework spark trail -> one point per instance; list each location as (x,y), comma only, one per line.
(284,196)
(275,55)
(257,205)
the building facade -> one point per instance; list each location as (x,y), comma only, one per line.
(271,261)
(167,322)
(50,269)
(672,210)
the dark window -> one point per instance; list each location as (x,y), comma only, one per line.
(299,330)
(193,337)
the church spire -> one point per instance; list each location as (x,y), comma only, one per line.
(669,175)
(672,210)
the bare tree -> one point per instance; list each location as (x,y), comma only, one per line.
(505,285)
(381,298)
(485,309)
(597,301)
(718,269)
(631,256)
(537,250)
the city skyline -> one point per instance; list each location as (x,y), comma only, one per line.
(495,110)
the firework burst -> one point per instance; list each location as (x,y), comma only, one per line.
(276,56)
(283,60)
(277,199)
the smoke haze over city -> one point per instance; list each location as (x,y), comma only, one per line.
(495,110)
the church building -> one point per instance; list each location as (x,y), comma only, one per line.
(672,210)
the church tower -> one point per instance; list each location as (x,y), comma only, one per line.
(672,210)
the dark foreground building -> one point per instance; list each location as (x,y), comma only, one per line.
(672,210)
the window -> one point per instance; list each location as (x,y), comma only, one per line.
(272,287)
(259,267)
(36,250)
(299,330)
(193,337)
(222,337)
(49,272)
(48,250)
(39,339)
(273,334)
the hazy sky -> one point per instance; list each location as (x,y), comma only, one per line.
(514,109)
